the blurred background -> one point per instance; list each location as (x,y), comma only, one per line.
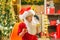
(9,15)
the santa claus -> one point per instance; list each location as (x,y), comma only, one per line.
(27,29)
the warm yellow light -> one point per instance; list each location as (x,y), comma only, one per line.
(14,0)
(44,32)
(45,29)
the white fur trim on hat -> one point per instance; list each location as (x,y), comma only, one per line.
(32,12)
(23,16)
(26,13)
(20,17)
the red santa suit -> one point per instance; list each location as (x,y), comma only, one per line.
(28,35)
(31,34)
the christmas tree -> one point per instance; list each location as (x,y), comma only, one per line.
(7,17)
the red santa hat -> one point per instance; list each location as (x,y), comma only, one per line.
(26,12)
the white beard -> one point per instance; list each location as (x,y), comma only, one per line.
(31,27)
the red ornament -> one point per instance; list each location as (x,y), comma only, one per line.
(52,10)
(53,22)
(58,31)
(58,11)
(52,35)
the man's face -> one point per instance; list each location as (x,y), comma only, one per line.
(29,18)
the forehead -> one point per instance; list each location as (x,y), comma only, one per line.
(30,15)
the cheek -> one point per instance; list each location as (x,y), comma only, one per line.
(30,18)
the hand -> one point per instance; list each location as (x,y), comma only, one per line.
(23,32)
